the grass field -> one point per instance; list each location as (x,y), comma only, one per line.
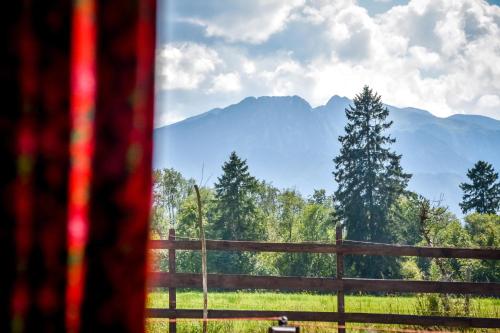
(481,307)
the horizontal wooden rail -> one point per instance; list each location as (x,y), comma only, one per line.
(346,248)
(332,317)
(417,251)
(186,280)
(226,245)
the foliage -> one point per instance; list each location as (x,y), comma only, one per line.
(483,194)
(484,230)
(435,226)
(319,197)
(404,217)
(187,227)
(369,175)
(266,202)
(370,179)
(169,191)
(417,221)
(438,227)
(312,223)
(235,208)
(235,215)
(290,205)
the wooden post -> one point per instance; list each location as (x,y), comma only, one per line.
(172,297)
(340,276)
(203,259)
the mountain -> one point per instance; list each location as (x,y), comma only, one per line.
(290,144)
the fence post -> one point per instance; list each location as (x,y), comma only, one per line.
(172,326)
(340,276)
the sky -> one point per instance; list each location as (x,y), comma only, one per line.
(439,55)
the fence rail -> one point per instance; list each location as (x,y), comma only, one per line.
(358,249)
(375,318)
(339,284)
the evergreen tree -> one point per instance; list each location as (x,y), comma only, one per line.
(483,195)
(369,176)
(234,203)
(235,214)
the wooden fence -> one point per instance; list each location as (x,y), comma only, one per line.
(173,280)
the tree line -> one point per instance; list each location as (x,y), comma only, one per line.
(371,202)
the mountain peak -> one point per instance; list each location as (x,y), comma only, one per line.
(248,100)
(338,100)
(295,102)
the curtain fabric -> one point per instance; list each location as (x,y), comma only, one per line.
(75,144)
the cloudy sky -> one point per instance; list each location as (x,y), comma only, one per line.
(438,55)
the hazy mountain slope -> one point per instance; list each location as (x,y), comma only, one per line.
(290,144)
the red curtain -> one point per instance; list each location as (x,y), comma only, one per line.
(75,144)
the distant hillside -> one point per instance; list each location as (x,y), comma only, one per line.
(291,144)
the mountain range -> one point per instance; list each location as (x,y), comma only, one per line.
(291,144)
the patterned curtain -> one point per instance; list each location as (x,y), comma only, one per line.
(75,145)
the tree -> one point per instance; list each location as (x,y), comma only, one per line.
(439,227)
(170,188)
(187,226)
(484,230)
(266,200)
(369,175)
(483,195)
(234,203)
(298,221)
(290,204)
(404,219)
(235,213)
(319,197)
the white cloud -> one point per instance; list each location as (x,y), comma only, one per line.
(438,55)
(228,82)
(423,58)
(248,67)
(285,78)
(248,21)
(184,65)
(489,101)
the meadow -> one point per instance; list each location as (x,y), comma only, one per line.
(243,300)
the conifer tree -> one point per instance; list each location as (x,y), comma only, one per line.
(234,204)
(369,176)
(235,213)
(483,195)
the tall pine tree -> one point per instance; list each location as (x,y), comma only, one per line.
(235,214)
(483,195)
(369,177)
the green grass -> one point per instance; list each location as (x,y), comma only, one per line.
(481,307)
